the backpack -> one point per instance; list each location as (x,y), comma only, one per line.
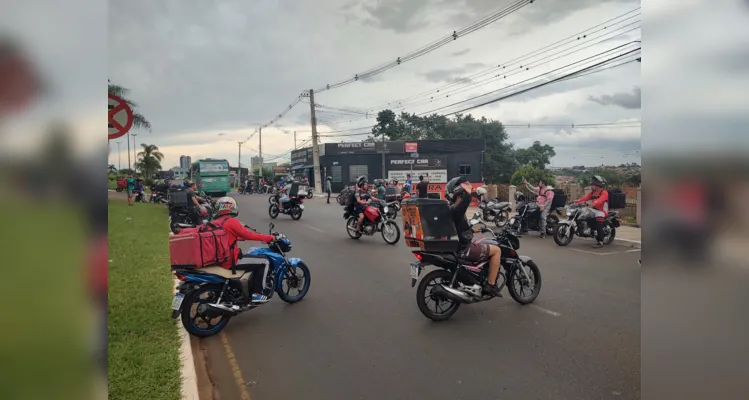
(560,199)
(350,199)
(617,199)
(205,246)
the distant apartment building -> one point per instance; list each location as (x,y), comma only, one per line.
(181,173)
(255,163)
(185,162)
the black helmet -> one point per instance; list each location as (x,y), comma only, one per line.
(597,180)
(187,183)
(361,181)
(453,188)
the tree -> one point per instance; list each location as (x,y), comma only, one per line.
(532,175)
(111,169)
(139,121)
(149,160)
(538,155)
(266,173)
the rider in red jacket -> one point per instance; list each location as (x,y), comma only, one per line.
(227,210)
(598,199)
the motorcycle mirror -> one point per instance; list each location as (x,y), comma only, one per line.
(271,226)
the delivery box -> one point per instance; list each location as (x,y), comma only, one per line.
(428,225)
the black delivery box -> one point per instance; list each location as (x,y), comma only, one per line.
(428,225)
(177,197)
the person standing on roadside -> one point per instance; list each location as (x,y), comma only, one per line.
(422,187)
(130,188)
(328,187)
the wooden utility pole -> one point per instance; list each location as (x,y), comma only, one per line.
(239,165)
(315,150)
(294,140)
(260,147)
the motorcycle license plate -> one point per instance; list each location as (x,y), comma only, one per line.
(177,302)
(415,270)
(301,206)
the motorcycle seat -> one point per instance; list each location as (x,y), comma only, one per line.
(222,272)
(501,205)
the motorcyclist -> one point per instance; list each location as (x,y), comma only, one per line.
(459,195)
(598,200)
(283,196)
(227,211)
(193,206)
(545,198)
(138,190)
(361,198)
(380,187)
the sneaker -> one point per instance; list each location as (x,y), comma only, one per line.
(259,298)
(598,245)
(543,235)
(492,290)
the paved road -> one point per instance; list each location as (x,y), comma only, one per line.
(359,334)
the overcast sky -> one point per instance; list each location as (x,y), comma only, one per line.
(208,73)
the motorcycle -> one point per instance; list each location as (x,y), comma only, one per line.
(457,282)
(528,217)
(310,193)
(375,220)
(219,295)
(580,219)
(140,196)
(392,209)
(273,199)
(293,207)
(491,210)
(180,217)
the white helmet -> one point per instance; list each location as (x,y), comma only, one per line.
(481,191)
(227,205)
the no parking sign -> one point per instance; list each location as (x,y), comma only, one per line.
(120,117)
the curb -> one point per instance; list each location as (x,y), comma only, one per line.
(637,243)
(189,377)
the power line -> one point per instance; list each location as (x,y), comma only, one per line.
(432,46)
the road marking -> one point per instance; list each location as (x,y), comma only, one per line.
(313,228)
(238,378)
(552,313)
(631,251)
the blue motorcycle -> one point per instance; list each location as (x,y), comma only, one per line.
(207,298)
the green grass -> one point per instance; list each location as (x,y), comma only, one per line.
(143,339)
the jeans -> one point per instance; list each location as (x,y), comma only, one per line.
(544,216)
(328,196)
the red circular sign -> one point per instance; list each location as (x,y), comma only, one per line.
(120,117)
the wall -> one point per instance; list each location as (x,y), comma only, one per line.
(373,162)
(475,159)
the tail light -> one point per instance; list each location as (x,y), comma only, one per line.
(418,256)
(181,277)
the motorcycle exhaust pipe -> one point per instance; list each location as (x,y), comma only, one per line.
(452,294)
(221,309)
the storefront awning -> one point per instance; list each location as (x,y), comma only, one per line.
(300,167)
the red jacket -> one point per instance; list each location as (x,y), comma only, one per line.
(600,201)
(237,232)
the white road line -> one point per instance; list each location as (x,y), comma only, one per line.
(552,313)
(631,251)
(593,252)
(313,228)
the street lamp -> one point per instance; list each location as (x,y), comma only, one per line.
(119,156)
(135,153)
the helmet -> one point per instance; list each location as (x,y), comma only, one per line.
(227,205)
(330,178)
(187,183)
(453,189)
(481,191)
(597,180)
(361,181)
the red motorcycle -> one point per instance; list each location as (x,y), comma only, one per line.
(375,220)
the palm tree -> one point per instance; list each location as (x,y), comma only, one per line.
(139,121)
(111,169)
(149,160)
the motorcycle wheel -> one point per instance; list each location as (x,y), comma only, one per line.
(608,239)
(293,280)
(296,213)
(516,276)
(350,225)
(194,297)
(559,235)
(310,195)
(118,190)
(425,291)
(551,224)
(501,219)
(393,227)
(272,199)
(273,211)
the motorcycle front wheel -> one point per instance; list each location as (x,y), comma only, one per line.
(533,284)
(563,235)
(610,235)
(425,296)
(272,199)
(294,281)
(391,233)
(501,219)
(273,211)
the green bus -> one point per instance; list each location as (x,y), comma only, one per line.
(212,176)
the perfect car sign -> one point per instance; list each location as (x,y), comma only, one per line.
(120,117)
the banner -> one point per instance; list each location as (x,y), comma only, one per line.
(363,148)
(435,175)
(301,157)
(411,147)
(416,164)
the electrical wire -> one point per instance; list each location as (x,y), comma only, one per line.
(432,46)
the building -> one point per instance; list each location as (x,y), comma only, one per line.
(168,174)
(185,162)
(255,163)
(270,165)
(181,173)
(439,160)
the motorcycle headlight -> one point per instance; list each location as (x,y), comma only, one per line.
(387,210)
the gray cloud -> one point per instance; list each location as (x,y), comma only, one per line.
(629,101)
(401,16)
(451,74)
(461,52)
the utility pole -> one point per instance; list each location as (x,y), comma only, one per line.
(260,147)
(135,154)
(384,176)
(128,150)
(239,165)
(315,150)
(119,156)
(294,140)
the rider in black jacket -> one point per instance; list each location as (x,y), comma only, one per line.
(458,192)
